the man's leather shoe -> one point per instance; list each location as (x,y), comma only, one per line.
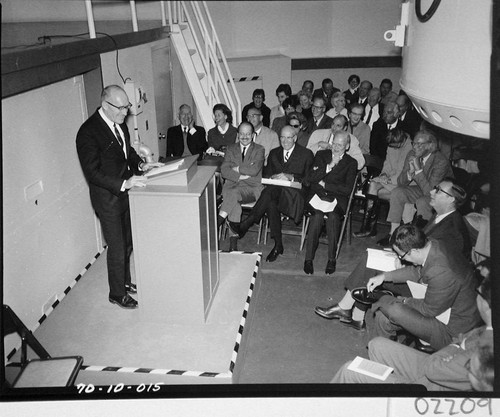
(333,312)
(273,255)
(131,288)
(124,302)
(234,228)
(330,267)
(355,324)
(385,241)
(233,243)
(308,267)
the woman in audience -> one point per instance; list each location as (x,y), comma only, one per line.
(399,144)
(224,133)
(305,103)
(338,103)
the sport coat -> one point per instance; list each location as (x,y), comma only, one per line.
(104,164)
(252,164)
(452,231)
(268,139)
(450,284)
(378,138)
(325,123)
(338,182)
(323,135)
(298,164)
(197,142)
(436,169)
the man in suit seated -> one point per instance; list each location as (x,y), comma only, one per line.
(331,178)
(242,170)
(322,139)
(112,167)
(372,109)
(424,168)
(363,91)
(263,135)
(450,285)
(446,226)
(463,365)
(358,128)
(409,119)
(290,162)
(319,120)
(258,98)
(186,139)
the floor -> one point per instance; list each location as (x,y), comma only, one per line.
(284,341)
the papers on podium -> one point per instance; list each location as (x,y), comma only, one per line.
(370,368)
(172,166)
(418,291)
(282,183)
(324,206)
(381,260)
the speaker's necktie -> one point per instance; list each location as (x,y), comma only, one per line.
(118,136)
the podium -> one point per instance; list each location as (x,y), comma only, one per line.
(174,231)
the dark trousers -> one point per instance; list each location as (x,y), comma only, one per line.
(268,203)
(332,223)
(118,234)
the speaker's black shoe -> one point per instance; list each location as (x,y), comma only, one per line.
(124,302)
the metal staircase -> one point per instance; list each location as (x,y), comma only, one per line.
(202,59)
(199,51)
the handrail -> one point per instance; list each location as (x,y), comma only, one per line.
(218,76)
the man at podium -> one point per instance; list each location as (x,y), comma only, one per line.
(111,167)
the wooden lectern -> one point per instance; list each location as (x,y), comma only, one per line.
(174,230)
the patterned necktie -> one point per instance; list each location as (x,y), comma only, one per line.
(118,136)
(369,116)
(286,156)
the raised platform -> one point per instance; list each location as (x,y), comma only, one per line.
(118,348)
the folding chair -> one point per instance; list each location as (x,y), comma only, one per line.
(46,371)
(244,207)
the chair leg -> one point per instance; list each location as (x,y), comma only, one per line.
(305,228)
(259,233)
(266,225)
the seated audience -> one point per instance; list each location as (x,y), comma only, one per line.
(319,120)
(380,187)
(282,92)
(242,171)
(450,285)
(299,122)
(465,364)
(186,139)
(224,133)
(305,103)
(363,92)
(386,93)
(289,162)
(322,139)
(263,135)
(288,105)
(351,94)
(447,227)
(326,92)
(358,128)
(424,168)
(331,178)
(338,105)
(258,98)
(409,119)
(308,87)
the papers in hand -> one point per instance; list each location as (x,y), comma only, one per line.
(418,291)
(370,368)
(381,260)
(165,168)
(324,206)
(283,183)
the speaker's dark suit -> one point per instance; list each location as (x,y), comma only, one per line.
(106,168)
(276,199)
(197,143)
(338,185)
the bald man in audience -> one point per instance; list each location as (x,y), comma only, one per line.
(322,139)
